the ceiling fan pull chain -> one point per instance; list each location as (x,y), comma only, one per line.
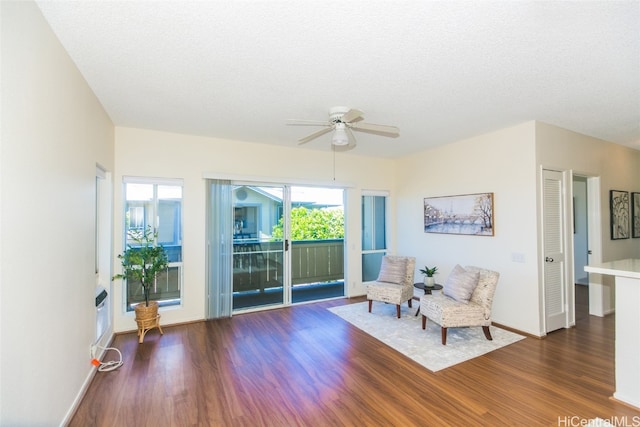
(333,149)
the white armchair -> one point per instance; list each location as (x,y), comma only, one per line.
(466,300)
(394,284)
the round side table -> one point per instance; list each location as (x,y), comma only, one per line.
(427,289)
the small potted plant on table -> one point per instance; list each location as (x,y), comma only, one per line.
(141,262)
(429,281)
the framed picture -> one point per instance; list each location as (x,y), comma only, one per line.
(619,205)
(470,214)
(635,215)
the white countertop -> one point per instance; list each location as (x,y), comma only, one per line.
(624,267)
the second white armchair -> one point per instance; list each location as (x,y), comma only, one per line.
(394,284)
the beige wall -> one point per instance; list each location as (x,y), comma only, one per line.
(168,155)
(508,162)
(505,162)
(618,168)
(609,166)
(54,132)
(501,162)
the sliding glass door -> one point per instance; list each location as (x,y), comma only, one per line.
(317,243)
(258,251)
(273,245)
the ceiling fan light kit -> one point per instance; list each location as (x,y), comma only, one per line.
(340,136)
(342,120)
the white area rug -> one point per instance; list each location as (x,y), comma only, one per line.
(424,346)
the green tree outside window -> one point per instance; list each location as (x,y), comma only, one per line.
(313,224)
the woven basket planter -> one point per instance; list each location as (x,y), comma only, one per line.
(143,312)
(147,318)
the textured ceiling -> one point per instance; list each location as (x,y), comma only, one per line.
(440,71)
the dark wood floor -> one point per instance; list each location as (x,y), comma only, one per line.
(304,366)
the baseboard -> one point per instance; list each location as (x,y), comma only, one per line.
(627,404)
(133,331)
(515,331)
(85,386)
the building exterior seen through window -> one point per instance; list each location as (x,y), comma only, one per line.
(158,206)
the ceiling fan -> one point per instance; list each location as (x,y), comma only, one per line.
(342,121)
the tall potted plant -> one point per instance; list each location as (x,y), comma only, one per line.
(141,262)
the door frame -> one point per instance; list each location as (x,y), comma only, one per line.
(598,297)
(599,303)
(581,227)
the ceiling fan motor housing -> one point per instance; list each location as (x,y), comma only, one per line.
(336,113)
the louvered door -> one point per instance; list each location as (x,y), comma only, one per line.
(555,293)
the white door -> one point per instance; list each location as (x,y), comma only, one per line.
(555,292)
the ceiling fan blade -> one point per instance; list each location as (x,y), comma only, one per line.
(294,122)
(351,115)
(384,130)
(314,135)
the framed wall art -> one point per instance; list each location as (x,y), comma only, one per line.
(470,214)
(635,215)
(619,206)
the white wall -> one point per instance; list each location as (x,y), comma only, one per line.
(54,132)
(168,155)
(502,162)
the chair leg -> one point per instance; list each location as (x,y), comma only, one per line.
(487,333)
(424,321)
(444,336)
(398,310)
(370,304)
(410,299)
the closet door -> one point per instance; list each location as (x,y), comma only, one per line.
(555,291)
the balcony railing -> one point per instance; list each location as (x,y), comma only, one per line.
(316,261)
(258,265)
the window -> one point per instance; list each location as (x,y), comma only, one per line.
(374,239)
(156,204)
(136,218)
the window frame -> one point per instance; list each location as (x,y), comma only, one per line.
(153,219)
(369,271)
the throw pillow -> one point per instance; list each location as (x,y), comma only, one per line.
(393,270)
(460,284)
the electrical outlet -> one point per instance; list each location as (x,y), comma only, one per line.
(92,351)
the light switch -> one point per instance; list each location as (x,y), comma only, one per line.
(517,257)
